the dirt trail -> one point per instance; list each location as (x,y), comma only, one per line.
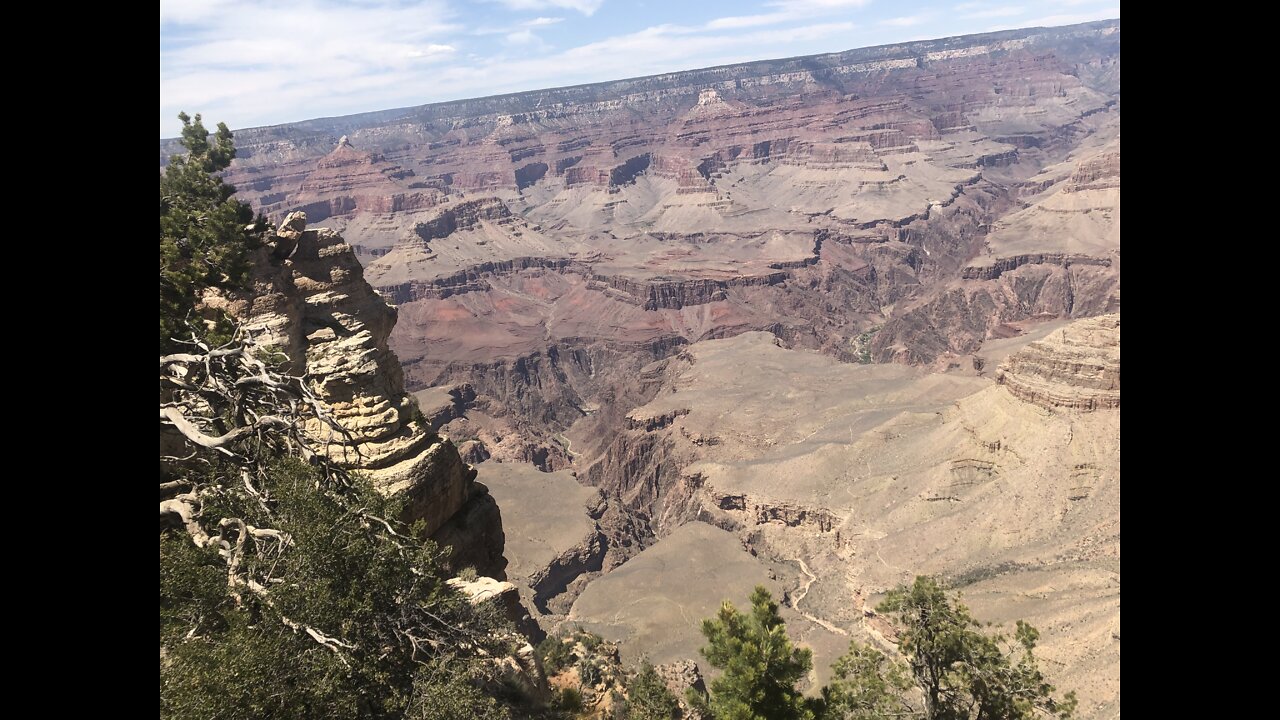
(802,592)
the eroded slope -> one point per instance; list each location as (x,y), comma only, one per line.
(859,477)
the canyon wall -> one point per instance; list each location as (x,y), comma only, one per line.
(827,321)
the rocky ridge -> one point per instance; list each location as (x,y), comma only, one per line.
(730,199)
(1077,367)
(310,302)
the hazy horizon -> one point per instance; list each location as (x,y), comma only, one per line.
(355,56)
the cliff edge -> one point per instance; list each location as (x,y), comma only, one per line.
(308,299)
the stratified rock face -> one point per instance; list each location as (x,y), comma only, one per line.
(666,288)
(926,187)
(312,303)
(348,180)
(1077,367)
(1059,256)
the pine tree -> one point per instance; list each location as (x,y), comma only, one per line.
(866,685)
(204,240)
(761,667)
(963,672)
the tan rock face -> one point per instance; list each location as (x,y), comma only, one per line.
(521,669)
(311,302)
(1076,367)
(680,677)
(484,589)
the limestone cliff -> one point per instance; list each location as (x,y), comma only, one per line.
(1077,367)
(310,301)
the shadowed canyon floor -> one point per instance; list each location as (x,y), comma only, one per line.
(821,323)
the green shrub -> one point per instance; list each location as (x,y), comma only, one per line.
(556,654)
(569,700)
(648,697)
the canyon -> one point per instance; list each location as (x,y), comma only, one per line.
(821,324)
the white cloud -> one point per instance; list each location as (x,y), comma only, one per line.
(538,22)
(744,21)
(907,20)
(787,11)
(524,34)
(432,50)
(258,64)
(247,62)
(586,7)
(817,6)
(664,48)
(992,12)
(190,11)
(527,40)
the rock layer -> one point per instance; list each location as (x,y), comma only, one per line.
(588,261)
(310,302)
(1077,367)
(704,198)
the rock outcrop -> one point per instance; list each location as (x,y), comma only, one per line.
(521,670)
(680,677)
(1077,367)
(310,302)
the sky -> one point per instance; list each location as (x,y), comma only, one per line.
(264,62)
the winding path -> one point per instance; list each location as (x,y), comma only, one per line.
(800,595)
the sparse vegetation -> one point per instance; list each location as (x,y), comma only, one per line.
(556,654)
(569,700)
(960,669)
(951,668)
(417,416)
(590,673)
(862,345)
(560,652)
(648,697)
(590,641)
